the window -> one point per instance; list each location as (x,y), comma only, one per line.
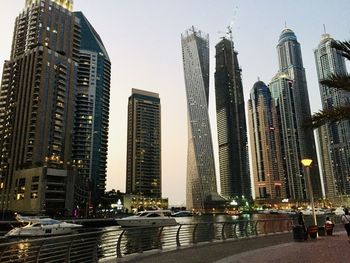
(35,179)
(154,215)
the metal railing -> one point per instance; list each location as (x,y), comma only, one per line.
(106,244)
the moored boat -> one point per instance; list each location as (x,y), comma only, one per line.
(182,214)
(41,227)
(148,218)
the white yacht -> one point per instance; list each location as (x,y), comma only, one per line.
(148,218)
(182,214)
(41,227)
(308,211)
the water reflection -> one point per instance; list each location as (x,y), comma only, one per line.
(138,240)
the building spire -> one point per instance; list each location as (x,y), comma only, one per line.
(324,29)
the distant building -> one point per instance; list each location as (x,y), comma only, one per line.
(143,176)
(201,189)
(90,138)
(134,203)
(265,145)
(37,109)
(231,123)
(289,90)
(335,139)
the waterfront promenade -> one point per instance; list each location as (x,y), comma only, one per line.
(273,249)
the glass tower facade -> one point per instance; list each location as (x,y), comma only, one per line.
(267,165)
(289,89)
(336,135)
(90,144)
(143,175)
(201,186)
(231,123)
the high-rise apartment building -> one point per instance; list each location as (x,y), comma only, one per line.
(37,109)
(54,103)
(267,164)
(90,139)
(144,172)
(231,123)
(201,181)
(289,90)
(336,136)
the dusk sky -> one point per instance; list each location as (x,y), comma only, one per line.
(143,39)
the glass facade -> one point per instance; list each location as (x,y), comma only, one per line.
(267,164)
(90,144)
(231,123)
(289,90)
(143,175)
(201,180)
(335,141)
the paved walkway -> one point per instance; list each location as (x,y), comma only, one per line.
(272,249)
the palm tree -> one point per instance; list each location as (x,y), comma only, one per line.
(339,82)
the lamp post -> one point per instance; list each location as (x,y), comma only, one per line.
(306,163)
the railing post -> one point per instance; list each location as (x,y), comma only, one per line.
(194,241)
(119,253)
(235,229)
(70,249)
(256,228)
(246,228)
(160,237)
(223,236)
(265,231)
(178,244)
(38,254)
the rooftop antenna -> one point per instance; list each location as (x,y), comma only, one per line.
(285,24)
(258,78)
(324,29)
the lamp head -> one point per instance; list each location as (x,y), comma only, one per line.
(306,162)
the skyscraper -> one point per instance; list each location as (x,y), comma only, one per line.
(201,181)
(37,109)
(265,145)
(90,142)
(144,145)
(336,135)
(231,123)
(289,91)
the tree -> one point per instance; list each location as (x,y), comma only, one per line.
(339,82)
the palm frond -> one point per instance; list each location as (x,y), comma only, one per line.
(329,116)
(337,81)
(343,47)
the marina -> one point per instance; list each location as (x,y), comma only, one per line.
(94,244)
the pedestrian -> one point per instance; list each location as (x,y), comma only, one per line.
(328,221)
(328,226)
(302,223)
(346,221)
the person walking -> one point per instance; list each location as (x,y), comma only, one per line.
(346,221)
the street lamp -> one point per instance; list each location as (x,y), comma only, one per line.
(306,163)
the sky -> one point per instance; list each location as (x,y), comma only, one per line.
(143,39)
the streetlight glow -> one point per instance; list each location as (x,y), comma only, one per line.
(306,162)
